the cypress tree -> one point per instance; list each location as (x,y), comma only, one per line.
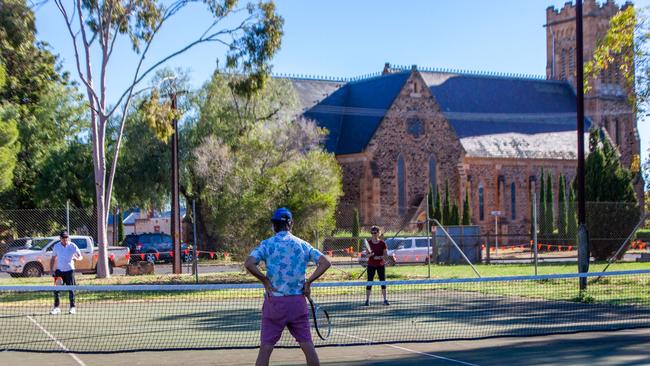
(455,216)
(437,212)
(550,222)
(430,205)
(562,212)
(541,217)
(446,207)
(467,210)
(572,218)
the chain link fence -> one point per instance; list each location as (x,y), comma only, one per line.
(611,225)
(35,223)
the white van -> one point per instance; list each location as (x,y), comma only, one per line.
(409,249)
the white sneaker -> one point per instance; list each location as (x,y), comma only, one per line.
(55,311)
(73,310)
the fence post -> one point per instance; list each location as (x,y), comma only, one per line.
(67,216)
(487,248)
(535,229)
(195,261)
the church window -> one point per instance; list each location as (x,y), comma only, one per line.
(401,185)
(481,206)
(513,201)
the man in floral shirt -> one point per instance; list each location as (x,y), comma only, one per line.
(286,257)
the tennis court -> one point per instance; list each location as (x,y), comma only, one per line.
(446,321)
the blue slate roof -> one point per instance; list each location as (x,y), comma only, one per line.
(491,115)
(485,105)
(353,112)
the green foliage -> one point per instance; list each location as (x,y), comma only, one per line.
(612,207)
(430,205)
(562,209)
(249,156)
(8,139)
(66,174)
(437,212)
(467,210)
(572,216)
(550,216)
(541,218)
(455,216)
(446,206)
(36,99)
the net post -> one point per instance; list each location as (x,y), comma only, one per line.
(487,248)
(535,230)
(195,261)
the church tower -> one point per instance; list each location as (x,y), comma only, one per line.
(607,103)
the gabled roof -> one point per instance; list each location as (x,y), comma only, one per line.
(353,112)
(498,116)
(493,116)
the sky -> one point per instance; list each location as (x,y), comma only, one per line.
(345,38)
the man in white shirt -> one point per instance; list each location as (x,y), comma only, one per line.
(64,254)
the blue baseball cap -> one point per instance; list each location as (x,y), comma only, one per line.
(282,214)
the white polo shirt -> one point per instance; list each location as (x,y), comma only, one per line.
(64,255)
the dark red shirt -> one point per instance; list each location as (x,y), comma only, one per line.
(378,250)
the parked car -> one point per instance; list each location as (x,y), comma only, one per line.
(154,247)
(409,249)
(35,260)
(20,243)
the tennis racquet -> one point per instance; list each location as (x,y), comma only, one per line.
(321,320)
(58,281)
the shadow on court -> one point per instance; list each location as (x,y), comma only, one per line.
(629,347)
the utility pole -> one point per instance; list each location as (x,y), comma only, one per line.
(583,235)
(175,214)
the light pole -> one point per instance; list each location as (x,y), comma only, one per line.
(583,235)
(175,214)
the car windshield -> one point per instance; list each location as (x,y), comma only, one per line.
(18,243)
(392,244)
(39,244)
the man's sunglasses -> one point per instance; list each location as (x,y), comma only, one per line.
(374,232)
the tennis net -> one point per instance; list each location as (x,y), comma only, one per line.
(121,318)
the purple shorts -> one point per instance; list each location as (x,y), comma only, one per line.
(285,311)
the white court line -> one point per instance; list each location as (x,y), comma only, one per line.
(63,347)
(410,350)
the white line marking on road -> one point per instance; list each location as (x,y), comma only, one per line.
(63,347)
(410,350)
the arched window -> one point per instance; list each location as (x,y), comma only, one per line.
(401,185)
(617,132)
(513,201)
(433,173)
(481,207)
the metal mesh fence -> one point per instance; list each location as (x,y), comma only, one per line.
(35,223)
(131,318)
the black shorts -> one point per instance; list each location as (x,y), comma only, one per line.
(381,272)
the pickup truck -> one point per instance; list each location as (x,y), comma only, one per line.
(35,261)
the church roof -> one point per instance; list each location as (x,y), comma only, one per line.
(352,112)
(493,116)
(513,117)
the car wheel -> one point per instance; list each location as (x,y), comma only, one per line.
(15,275)
(151,258)
(32,270)
(390,262)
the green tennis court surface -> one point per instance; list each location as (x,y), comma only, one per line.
(629,347)
(424,317)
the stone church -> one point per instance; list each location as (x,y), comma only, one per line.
(396,132)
